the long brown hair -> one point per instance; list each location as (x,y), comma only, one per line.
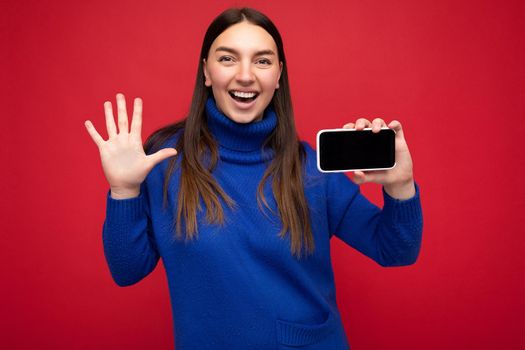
(286,169)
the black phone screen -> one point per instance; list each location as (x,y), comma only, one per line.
(353,150)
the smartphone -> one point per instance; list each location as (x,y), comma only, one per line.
(351,150)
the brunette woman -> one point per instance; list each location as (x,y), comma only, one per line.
(234,205)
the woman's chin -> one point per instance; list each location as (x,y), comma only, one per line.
(244,118)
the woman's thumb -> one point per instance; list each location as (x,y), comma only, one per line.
(359,177)
(164,153)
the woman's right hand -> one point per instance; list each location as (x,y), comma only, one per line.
(123,159)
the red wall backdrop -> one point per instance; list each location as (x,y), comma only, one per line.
(452,71)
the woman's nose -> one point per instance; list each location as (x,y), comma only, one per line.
(245,74)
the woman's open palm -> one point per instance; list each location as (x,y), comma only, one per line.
(123,159)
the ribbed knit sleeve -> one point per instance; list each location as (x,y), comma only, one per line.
(390,236)
(129,247)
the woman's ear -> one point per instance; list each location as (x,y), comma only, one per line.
(207,81)
(280,71)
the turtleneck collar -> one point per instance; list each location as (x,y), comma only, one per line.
(236,136)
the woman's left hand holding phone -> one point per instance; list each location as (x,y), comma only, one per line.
(124,161)
(399,181)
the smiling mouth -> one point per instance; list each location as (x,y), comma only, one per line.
(244,97)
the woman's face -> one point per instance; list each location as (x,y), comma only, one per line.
(243,70)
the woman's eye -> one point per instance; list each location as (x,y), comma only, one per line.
(225,59)
(264,61)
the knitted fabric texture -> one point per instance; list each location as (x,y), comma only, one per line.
(237,285)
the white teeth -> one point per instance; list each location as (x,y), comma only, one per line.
(244,94)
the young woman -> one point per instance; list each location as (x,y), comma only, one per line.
(241,217)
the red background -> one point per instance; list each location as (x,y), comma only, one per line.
(452,71)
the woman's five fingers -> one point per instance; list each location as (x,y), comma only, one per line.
(362,123)
(359,177)
(110,120)
(122,114)
(396,126)
(136,121)
(377,124)
(93,133)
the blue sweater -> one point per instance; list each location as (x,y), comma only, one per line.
(237,286)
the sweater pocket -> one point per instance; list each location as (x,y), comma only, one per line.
(298,335)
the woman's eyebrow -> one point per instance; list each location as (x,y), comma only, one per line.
(235,52)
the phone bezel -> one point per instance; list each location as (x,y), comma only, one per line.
(345,170)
